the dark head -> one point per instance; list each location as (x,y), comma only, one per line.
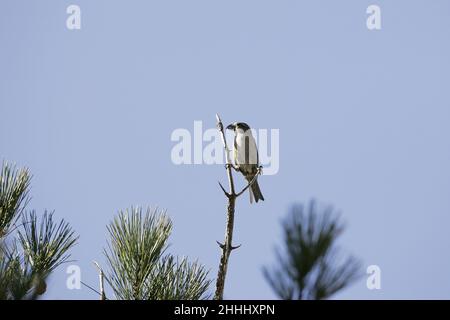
(238,126)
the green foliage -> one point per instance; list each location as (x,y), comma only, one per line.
(309,266)
(46,244)
(176,279)
(137,244)
(36,249)
(15,281)
(14,188)
(139,267)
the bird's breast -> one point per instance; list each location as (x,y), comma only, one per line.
(246,152)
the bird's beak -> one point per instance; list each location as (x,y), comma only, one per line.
(230,127)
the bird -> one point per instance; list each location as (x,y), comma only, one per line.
(246,157)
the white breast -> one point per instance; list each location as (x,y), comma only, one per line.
(246,151)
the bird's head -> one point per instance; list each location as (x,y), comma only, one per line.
(238,126)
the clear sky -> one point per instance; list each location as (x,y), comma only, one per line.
(363,118)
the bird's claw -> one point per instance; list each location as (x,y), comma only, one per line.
(260,170)
(232,166)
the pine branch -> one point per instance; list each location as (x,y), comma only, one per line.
(14,189)
(139,268)
(37,248)
(309,266)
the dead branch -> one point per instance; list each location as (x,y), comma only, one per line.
(227,246)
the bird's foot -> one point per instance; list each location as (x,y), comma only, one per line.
(260,170)
(229,165)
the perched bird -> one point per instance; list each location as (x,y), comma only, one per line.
(246,157)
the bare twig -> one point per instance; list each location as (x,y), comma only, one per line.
(224,191)
(89,287)
(221,245)
(227,246)
(101,278)
(227,154)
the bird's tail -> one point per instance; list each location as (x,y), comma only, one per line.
(255,192)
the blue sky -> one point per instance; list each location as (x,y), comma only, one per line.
(363,118)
